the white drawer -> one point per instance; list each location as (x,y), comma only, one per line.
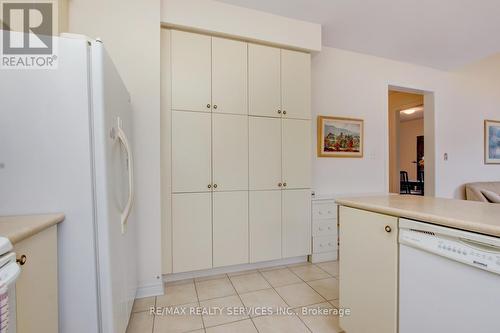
(324,244)
(324,227)
(324,210)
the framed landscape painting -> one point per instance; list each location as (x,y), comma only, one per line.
(340,137)
(492,142)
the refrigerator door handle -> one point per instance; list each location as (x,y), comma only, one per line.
(122,137)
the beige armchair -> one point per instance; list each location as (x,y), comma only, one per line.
(483,191)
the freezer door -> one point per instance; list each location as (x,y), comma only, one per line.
(113,172)
(45,166)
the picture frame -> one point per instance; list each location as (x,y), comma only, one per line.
(492,142)
(340,137)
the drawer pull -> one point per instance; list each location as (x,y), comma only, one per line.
(329,212)
(388,228)
(320,229)
(21,261)
(320,213)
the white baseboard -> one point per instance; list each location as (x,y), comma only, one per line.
(232,269)
(155,289)
(321,257)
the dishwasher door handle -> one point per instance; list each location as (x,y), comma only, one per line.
(479,246)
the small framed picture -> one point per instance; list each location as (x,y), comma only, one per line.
(340,137)
(491,142)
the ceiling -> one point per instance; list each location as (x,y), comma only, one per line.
(443,34)
(419,114)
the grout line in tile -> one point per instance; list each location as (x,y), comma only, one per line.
(310,286)
(241,300)
(310,330)
(154,317)
(198,298)
(324,270)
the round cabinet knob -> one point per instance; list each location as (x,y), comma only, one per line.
(284,112)
(279,184)
(388,228)
(215,185)
(209,186)
(329,212)
(320,245)
(320,213)
(215,106)
(320,228)
(21,261)
(329,244)
(329,228)
(208,106)
(284,184)
(279,111)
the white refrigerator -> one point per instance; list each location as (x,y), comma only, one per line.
(64,147)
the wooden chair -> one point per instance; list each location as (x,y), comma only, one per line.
(404,187)
(420,178)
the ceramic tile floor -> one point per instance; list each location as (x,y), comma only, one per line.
(306,285)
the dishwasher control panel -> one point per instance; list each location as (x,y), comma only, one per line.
(467,251)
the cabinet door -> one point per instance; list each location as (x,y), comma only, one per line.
(36,288)
(229,76)
(296,235)
(297,153)
(265,153)
(368,271)
(230,152)
(230,228)
(264,86)
(265,225)
(191,71)
(191,231)
(191,151)
(296,84)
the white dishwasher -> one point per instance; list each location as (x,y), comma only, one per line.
(449,280)
(9,272)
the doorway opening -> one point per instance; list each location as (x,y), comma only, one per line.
(411,142)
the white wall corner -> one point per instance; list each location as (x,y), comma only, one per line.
(233,21)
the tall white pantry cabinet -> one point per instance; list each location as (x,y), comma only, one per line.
(240,152)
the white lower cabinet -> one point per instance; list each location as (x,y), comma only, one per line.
(230,228)
(296,225)
(324,230)
(192,231)
(368,271)
(265,225)
(36,288)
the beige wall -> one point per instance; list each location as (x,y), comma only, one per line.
(408,133)
(130,30)
(351,84)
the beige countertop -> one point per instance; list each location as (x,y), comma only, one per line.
(472,216)
(17,228)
